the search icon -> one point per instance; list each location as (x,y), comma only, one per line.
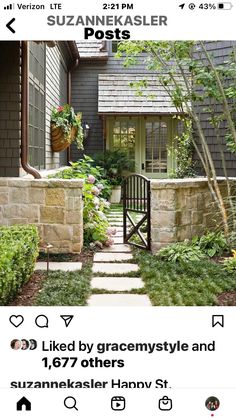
(70,403)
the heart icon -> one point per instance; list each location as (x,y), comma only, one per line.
(16,320)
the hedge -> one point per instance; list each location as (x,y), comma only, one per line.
(18,252)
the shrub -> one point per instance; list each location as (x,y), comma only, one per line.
(115,163)
(95,191)
(230,263)
(19,250)
(181,252)
(85,168)
(212,244)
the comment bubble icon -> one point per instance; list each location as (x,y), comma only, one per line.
(41,321)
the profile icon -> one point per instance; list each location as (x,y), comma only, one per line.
(212,403)
(24,344)
(15,344)
(32,344)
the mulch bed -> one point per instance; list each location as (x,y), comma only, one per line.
(29,291)
(227,299)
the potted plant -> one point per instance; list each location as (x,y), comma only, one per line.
(66,128)
(115,164)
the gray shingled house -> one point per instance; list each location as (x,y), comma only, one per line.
(119,118)
(34,77)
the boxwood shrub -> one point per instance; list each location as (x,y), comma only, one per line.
(19,249)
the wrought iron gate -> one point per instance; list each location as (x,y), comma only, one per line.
(136,211)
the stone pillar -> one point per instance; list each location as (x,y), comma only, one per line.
(181,209)
(54,205)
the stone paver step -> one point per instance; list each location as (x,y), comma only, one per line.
(117,248)
(114,268)
(118,239)
(117,283)
(119,300)
(112,257)
(116,223)
(118,234)
(59,266)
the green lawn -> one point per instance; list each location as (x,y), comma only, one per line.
(66,288)
(191,284)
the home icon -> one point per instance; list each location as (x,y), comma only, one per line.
(23,403)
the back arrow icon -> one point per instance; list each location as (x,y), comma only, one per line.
(8,25)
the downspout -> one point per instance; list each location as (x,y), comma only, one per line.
(25,114)
(70,69)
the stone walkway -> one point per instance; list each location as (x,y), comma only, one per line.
(116,260)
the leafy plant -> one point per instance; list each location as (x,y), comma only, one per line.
(97,231)
(65,118)
(212,244)
(19,250)
(114,163)
(183,150)
(230,263)
(181,252)
(84,168)
(183,284)
(65,288)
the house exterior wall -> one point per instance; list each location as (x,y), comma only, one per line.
(85,100)
(10,108)
(220,51)
(85,95)
(56,95)
(56,61)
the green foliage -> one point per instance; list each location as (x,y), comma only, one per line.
(84,168)
(230,263)
(65,118)
(211,244)
(231,145)
(194,283)
(181,252)
(95,190)
(114,163)
(183,150)
(65,288)
(19,250)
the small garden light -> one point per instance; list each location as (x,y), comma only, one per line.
(48,247)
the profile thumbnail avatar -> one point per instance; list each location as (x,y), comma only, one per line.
(212,403)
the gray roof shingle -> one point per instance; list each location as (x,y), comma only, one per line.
(92,49)
(115,95)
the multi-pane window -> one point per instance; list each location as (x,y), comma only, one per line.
(156,147)
(123,135)
(37,105)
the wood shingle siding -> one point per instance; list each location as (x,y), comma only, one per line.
(56,95)
(220,52)
(85,94)
(10,108)
(115,95)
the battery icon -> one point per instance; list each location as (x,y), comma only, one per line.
(225,6)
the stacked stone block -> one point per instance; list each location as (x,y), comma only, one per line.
(54,205)
(181,209)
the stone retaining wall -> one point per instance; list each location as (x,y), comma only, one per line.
(181,209)
(54,205)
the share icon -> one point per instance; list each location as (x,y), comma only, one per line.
(67,319)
